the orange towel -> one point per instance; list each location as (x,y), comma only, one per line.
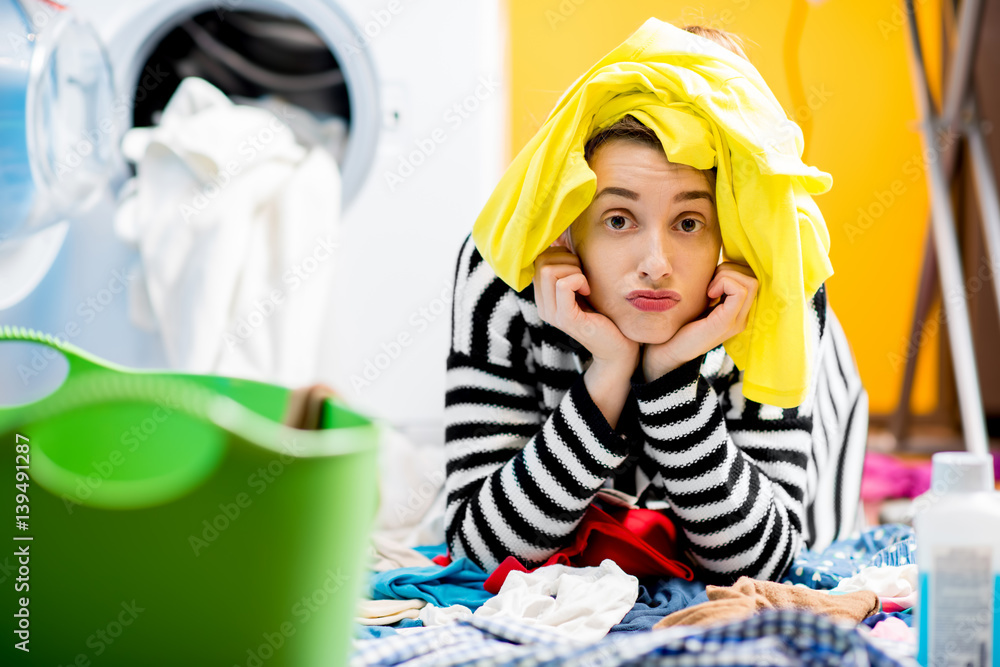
(748,596)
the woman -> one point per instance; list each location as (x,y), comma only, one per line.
(609,371)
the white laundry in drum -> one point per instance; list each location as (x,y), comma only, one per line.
(235,218)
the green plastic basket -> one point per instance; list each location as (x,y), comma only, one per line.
(173,520)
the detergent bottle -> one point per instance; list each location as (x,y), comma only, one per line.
(958,559)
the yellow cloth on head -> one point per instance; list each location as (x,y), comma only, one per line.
(709,108)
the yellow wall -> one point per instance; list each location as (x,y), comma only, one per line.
(852,94)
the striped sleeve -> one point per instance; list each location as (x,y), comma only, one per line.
(518,481)
(734,471)
(836,463)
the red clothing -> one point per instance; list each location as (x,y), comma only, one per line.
(642,542)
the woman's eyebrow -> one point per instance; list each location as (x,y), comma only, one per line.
(621,192)
(694,194)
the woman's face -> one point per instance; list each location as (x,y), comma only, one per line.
(651,226)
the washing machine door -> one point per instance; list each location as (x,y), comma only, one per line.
(57,135)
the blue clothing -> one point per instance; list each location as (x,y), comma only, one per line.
(461,582)
(906,616)
(432,550)
(657,598)
(900,553)
(787,637)
(377,631)
(823,570)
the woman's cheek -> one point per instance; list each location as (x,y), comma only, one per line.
(701,305)
(702,298)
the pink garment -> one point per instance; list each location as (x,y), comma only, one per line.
(894,628)
(901,603)
(888,477)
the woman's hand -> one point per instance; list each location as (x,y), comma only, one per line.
(732,291)
(560,288)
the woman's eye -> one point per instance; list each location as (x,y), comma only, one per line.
(689,225)
(616,220)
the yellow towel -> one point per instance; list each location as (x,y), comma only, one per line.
(709,107)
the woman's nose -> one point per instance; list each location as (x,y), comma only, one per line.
(655,262)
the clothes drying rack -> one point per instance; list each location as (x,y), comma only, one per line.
(958,117)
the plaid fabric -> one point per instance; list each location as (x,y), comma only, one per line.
(776,637)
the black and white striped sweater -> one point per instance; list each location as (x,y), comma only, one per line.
(527,449)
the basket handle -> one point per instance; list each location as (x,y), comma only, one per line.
(80,361)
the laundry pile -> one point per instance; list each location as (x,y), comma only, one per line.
(777,637)
(233,211)
(853,600)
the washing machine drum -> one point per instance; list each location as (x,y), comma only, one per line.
(59,113)
(56,136)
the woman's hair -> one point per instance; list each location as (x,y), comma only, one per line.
(725,39)
(626,128)
(631,129)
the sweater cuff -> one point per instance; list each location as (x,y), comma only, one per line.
(595,419)
(682,376)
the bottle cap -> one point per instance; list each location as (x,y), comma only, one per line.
(961,472)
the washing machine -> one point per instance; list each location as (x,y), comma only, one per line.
(422,88)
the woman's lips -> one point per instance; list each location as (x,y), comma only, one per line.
(653,300)
(653,305)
